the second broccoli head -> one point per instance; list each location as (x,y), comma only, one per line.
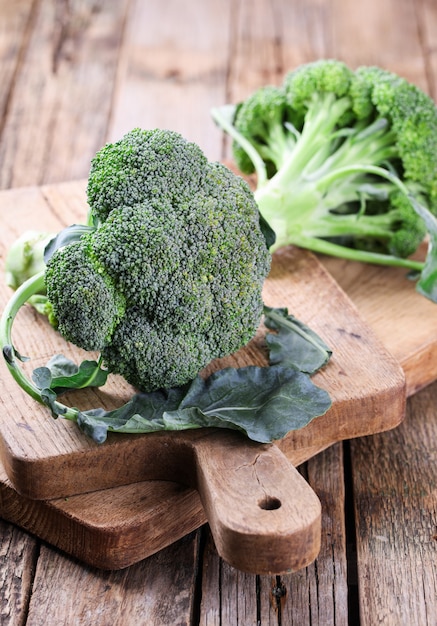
(339,153)
(170,276)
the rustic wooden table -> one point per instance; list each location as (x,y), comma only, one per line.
(77,73)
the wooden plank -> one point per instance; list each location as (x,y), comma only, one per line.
(228,595)
(48,133)
(170,76)
(427,25)
(261,33)
(14,22)
(315,595)
(159,590)
(256,48)
(18,556)
(395,493)
(397,49)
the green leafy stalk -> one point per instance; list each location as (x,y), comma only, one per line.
(22,295)
(293,234)
(293,343)
(224,117)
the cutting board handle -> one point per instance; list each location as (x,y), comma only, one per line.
(263,515)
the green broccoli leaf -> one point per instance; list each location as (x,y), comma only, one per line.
(141,414)
(294,344)
(61,374)
(68,235)
(265,403)
(427,284)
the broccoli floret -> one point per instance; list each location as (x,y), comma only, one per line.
(262,121)
(84,299)
(171,275)
(351,143)
(144,164)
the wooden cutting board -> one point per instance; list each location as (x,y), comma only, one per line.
(44,458)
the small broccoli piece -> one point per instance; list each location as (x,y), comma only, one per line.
(171,275)
(84,299)
(355,152)
(262,121)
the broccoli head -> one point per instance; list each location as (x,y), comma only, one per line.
(347,145)
(171,275)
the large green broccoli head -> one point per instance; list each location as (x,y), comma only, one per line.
(172,275)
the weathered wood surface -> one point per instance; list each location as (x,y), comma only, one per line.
(244,44)
(395,493)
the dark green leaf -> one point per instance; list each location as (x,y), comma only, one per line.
(10,353)
(64,237)
(143,413)
(267,231)
(427,284)
(42,377)
(294,344)
(61,374)
(263,402)
(49,398)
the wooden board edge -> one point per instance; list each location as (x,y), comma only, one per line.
(115,547)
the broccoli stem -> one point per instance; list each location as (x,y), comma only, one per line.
(312,147)
(301,218)
(329,248)
(224,117)
(19,298)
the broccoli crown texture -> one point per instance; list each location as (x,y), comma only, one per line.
(144,164)
(171,277)
(334,149)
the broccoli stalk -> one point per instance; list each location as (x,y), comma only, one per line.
(354,169)
(24,259)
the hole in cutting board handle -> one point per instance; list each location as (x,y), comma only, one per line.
(270,503)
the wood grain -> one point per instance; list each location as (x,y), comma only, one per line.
(157,591)
(314,595)
(395,487)
(14,29)
(184,62)
(107,529)
(51,109)
(404,321)
(18,557)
